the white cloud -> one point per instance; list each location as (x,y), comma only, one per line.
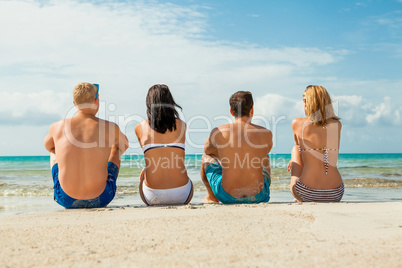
(352,109)
(18,105)
(360,4)
(68,38)
(49,46)
(386,113)
(274,105)
(32,118)
(392,20)
(128,46)
(355,111)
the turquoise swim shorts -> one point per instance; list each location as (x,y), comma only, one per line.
(101,201)
(214,175)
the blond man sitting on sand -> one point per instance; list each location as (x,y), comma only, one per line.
(88,151)
(235,167)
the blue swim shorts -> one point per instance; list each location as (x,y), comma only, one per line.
(214,175)
(101,201)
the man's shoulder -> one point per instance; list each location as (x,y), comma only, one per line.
(259,127)
(106,122)
(58,124)
(223,128)
(232,126)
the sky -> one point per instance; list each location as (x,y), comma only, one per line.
(204,51)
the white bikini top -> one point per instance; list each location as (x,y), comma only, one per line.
(150,146)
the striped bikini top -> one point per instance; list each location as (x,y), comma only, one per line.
(150,146)
(325,149)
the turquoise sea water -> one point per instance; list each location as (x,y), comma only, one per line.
(26,183)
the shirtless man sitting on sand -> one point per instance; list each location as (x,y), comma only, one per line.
(235,167)
(85,153)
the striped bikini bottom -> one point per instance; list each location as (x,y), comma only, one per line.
(317,195)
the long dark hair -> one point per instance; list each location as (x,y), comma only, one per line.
(161,109)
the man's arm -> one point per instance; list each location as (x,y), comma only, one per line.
(267,162)
(270,143)
(121,140)
(210,144)
(49,141)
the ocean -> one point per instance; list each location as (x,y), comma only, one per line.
(26,182)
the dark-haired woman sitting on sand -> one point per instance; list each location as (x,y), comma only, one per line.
(314,175)
(164,180)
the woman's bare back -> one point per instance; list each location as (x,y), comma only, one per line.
(319,149)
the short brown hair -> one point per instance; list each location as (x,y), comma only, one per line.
(84,93)
(241,103)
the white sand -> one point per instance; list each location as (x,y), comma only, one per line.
(264,235)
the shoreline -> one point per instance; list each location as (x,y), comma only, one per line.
(24,205)
(267,235)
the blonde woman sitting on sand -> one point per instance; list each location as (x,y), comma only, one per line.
(314,175)
(164,180)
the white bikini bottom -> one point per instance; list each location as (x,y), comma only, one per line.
(172,196)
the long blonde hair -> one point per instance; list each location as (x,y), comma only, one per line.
(318,105)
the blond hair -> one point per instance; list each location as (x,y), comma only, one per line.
(318,105)
(84,93)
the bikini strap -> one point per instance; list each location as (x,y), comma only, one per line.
(326,160)
(325,149)
(326,156)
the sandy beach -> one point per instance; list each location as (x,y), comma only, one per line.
(263,235)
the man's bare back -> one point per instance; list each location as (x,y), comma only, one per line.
(83,145)
(242,150)
(235,167)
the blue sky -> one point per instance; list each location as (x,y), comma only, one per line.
(204,51)
(370,31)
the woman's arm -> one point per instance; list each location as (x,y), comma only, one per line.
(296,164)
(296,161)
(296,128)
(138,132)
